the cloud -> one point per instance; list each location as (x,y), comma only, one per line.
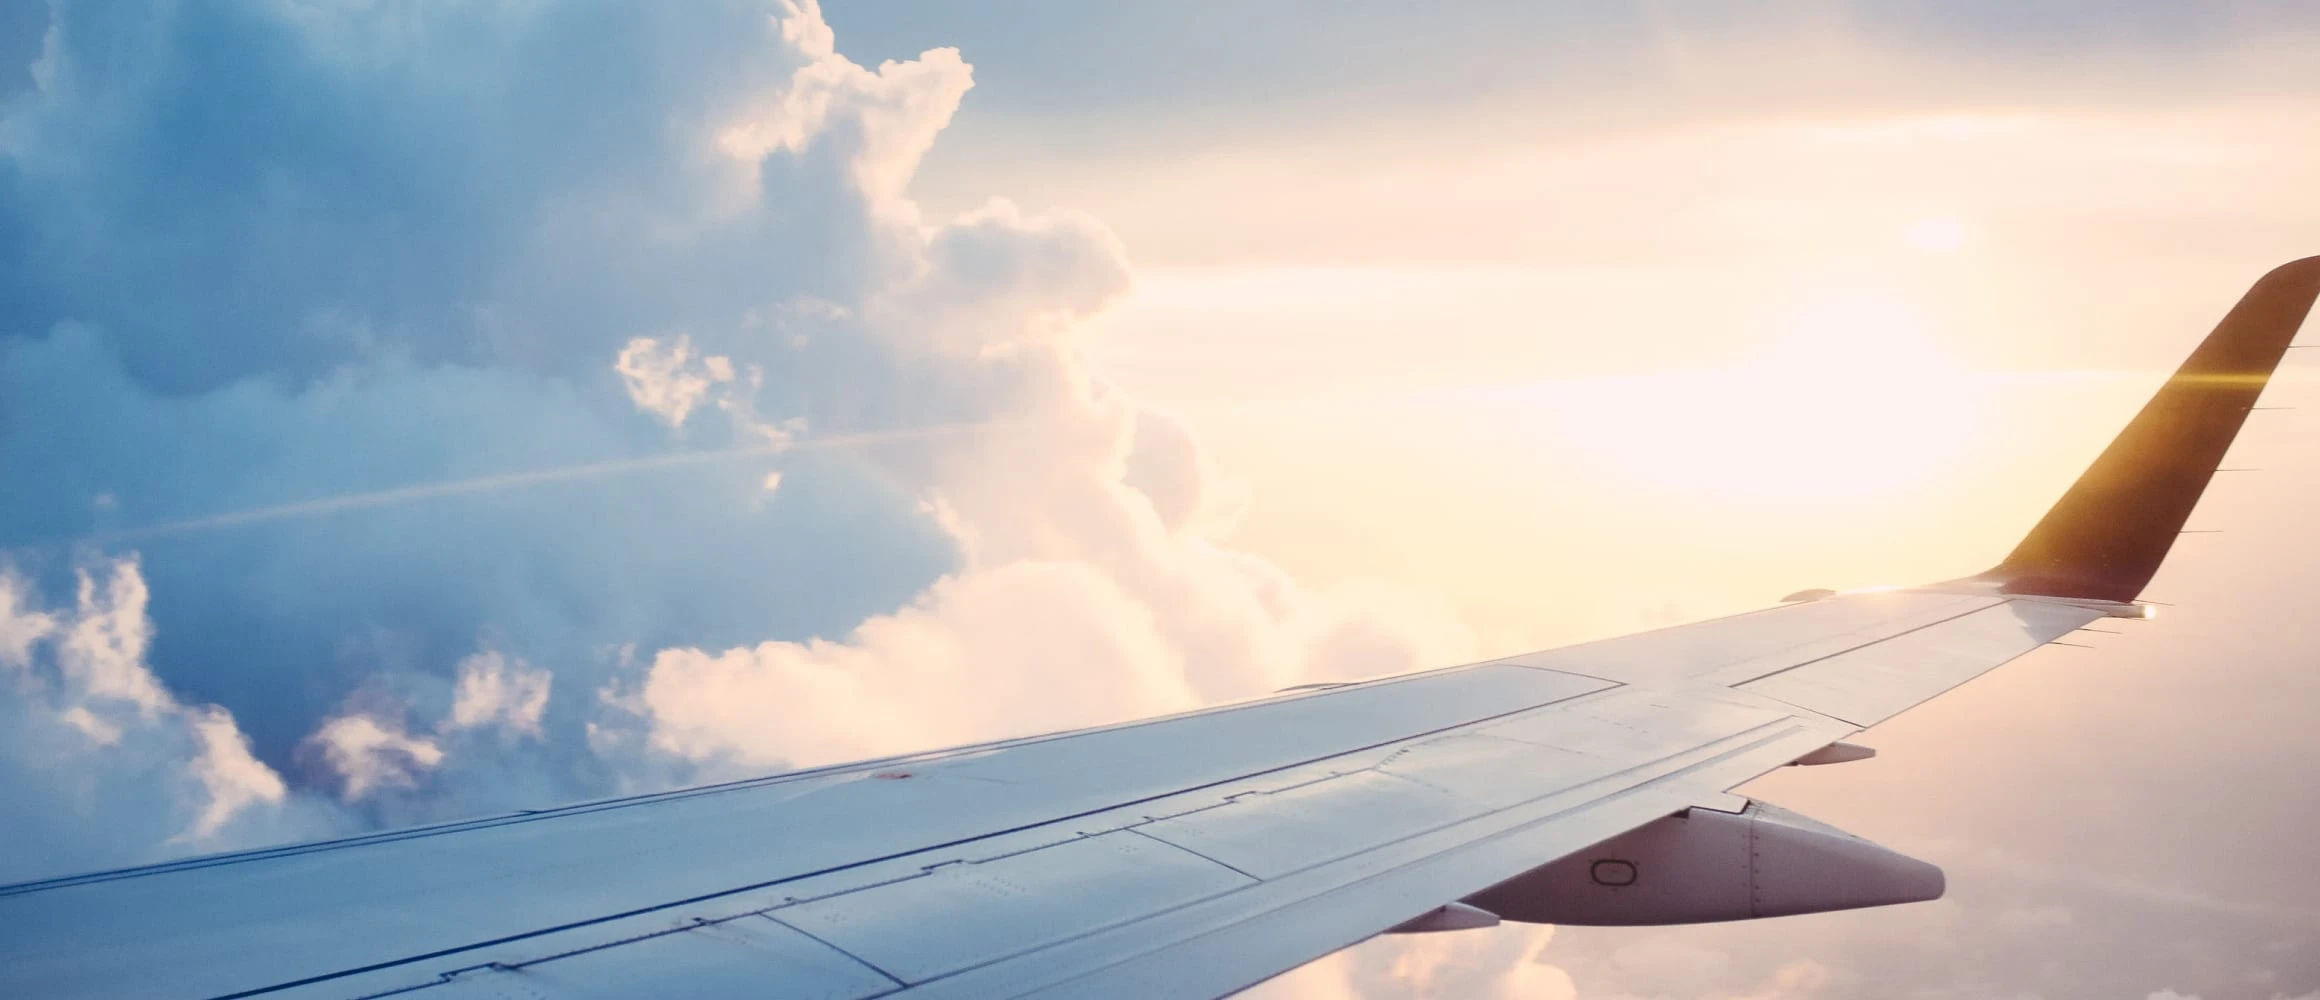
(20,627)
(1523,961)
(397,401)
(102,765)
(1002,652)
(494,690)
(369,753)
(663,380)
(1505,962)
(234,780)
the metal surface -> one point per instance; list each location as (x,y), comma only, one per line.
(1051,866)
(1869,685)
(1705,865)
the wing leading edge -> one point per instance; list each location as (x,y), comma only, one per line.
(1189,855)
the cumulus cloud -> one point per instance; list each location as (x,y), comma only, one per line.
(1502,963)
(1520,961)
(234,780)
(101,763)
(1002,652)
(395,405)
(664,380)
(497,691)
(367,753)
(20,627)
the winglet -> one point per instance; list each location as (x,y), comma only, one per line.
(2106,537)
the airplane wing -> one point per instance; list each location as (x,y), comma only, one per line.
(1194,854)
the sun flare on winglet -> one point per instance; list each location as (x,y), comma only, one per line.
(1851,396)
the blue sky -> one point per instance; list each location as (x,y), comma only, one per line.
(1060,62)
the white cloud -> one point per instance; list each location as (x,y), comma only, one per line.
(529,336)
(234,779)
(665,379)
(1502,963)
(20,627)
(102,652)
(99,750)
(497,690)
(1020,648)
(1087,590)
(996,279)
(368,753)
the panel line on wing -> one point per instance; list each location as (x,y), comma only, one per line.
(1977,609)
(1656,781)
(729,787)
(1139,830)
(1109,807)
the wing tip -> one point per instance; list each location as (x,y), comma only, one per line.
(2109,533)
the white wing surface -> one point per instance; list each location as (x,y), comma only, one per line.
(1194,854)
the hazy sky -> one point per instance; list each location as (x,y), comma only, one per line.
(411,412)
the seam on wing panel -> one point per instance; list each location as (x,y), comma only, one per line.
(741,785)
(1235,869)
(1576,647)
(833,946)
(1865,645)
(1509,662)
(755,886)
(1824,713)
(1423,783)
(1167,846)
(1790,726)
(1858,725)
(1765,702)
(450,975)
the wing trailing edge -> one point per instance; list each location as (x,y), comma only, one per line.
(2106,537)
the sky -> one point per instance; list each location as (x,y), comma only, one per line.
(411,412)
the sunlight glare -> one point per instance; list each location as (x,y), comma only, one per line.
(1935,234)
(1853,398)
